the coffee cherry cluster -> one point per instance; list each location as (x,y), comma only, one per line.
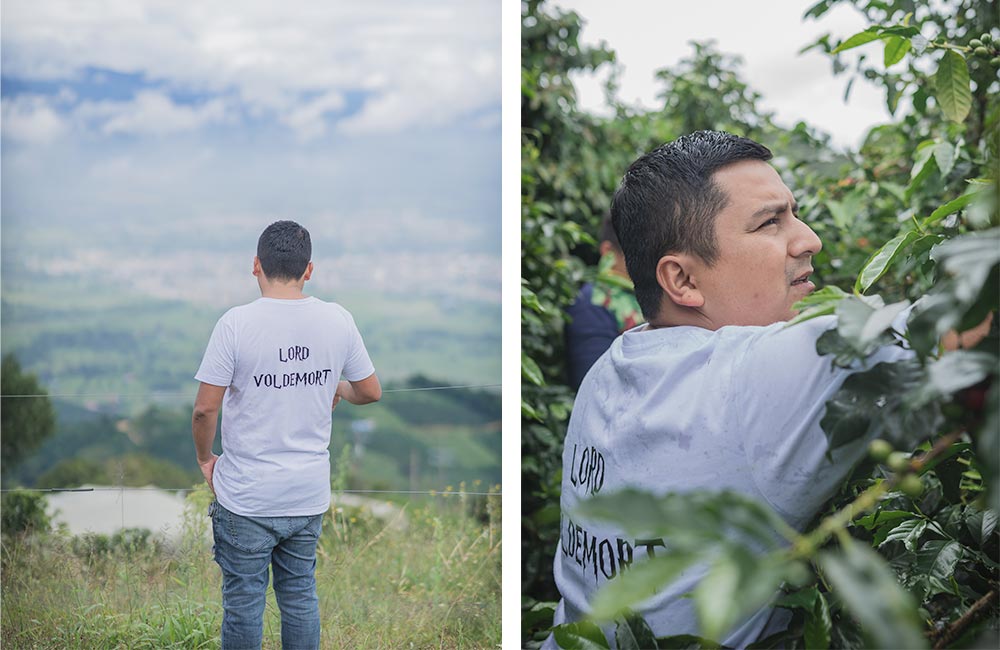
(908,483)
(986,48)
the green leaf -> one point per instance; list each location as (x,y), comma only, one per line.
(862,320)
(530,300)
(530,370)
(908,532)
(868,589)
(842,216)
(687,642)
(904,30)
(582,635)
(634,633)
(540,614)
(880,517)
(981,524)
(819,303)
(951,373)
(801,599)
(944,156)
(881,321)
(882,259)
(920,169)
(970,258)
(818,9)
(951,86)
(692,520)
(896,48)
(871,404)
(530,412)
(938,558)
(988,446)
(857,40)
(637,584)
(950,207)
(818,625)
(736,571)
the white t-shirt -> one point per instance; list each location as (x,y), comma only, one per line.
(280,361)
(686,408)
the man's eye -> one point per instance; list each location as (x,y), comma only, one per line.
(770,222)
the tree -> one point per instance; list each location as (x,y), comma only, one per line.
(25,421)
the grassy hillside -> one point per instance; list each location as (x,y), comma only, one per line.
(433,584)
(411,440)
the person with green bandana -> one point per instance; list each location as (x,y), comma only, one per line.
(603,309)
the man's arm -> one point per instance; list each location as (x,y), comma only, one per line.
(203,423)
(363,391)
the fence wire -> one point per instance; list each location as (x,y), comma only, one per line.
(438,493)
(191,397)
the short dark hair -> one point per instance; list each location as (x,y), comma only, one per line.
(284,250)
(667,202)
(608,233)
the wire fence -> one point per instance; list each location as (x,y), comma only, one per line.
(191,396)
(440,493)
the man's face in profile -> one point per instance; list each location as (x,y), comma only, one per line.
(765,252)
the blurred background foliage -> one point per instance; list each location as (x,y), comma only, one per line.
(927,176)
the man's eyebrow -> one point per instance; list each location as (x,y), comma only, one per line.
(774,208)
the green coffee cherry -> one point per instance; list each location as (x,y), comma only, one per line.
(995,61)
(974,43)
(798,574)
(985,38)
(981,51)
(898,461)
(911,486)
(879,449)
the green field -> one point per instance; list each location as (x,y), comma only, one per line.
(434,584)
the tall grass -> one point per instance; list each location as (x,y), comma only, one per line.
(429,579)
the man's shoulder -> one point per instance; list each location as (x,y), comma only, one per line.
(585,307)
(584,294)
(308,303)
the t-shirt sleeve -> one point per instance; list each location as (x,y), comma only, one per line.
(219,363)
(358,365)
(785,385)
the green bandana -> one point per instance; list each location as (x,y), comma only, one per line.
(616,294)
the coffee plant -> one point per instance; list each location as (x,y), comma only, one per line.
(906,555)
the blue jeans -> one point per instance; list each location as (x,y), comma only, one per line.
(245,548)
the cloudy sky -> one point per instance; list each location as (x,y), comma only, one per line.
(767,34)
(377,125)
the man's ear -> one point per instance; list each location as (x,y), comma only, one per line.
(256,266)
(606,247)
(673,273)
(309,271)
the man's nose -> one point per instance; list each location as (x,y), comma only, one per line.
(804,241)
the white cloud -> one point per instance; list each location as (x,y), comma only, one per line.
(436,86)
(432,61)
(152,113)
(30,119)
(307,119)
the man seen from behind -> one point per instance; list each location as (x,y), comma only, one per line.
(275,364)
